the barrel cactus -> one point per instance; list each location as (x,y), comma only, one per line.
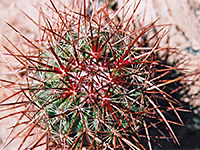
(91,82)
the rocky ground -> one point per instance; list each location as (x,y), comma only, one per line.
(184,34)
(10,11)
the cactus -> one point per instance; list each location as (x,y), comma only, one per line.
(90,82)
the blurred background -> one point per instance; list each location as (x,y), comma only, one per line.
(184,34)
